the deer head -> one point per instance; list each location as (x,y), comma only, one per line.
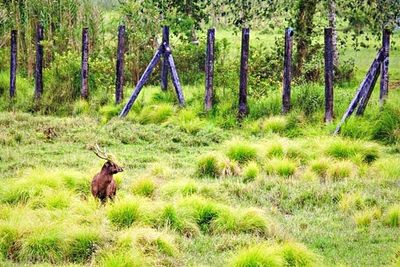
(110,166)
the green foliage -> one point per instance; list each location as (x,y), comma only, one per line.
(277,124)
(309,98)
(8,240)
(208,165)
(241,152)
(123,213)
(155,114)
(122,259)
(392,217)
(82,244)
(281,167)
(144,187)
(342,169)
(250,172)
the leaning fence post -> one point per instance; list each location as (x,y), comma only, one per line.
(164,65)
(209,98)
(119,83)
(243,108)
(13,63)
(85,64)
(39,62)
(328,75)
(384,86)
(287,70)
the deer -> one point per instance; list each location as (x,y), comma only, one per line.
(103,185)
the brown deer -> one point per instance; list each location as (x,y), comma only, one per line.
(103,184)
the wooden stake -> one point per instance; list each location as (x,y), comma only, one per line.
(243,108)
(13,63)
(287,70)
(328,75)
(119,83)
(384,86)
(141,82)
(209,97)
(174,74)
(164,65)
(85,64)
(39,62)
(365,85)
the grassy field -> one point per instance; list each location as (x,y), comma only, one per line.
(200,190)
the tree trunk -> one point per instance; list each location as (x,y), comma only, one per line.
(332,24)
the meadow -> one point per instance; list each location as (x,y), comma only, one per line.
(202,189)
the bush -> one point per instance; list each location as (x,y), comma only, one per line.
(144,187)
(241,152)
(392,217)
(250,172)
(124,213)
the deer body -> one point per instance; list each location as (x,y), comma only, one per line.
(103,184)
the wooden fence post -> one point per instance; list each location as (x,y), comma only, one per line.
(39,62)
(287,70)
(384,86)
(119,83)
(243,108)
(13,63)
(85,64)
(209,98)
(328,75)
(164,65)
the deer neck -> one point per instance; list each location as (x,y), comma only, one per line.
(106,173)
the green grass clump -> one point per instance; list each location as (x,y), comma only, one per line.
(342,169)
(122,259)
(364,218)
(241,152)
(392,217)
(320,166)
(388,167)
(259,255)
(109,111)
(170,218)
(144,187)
(277,124)
(8,240)
(341,149)
(155,114)
(209,165)
(123,213)
(351,201)
(43,245)
(296,254)
(228,167)
(82,244)
(281,167)
(251,172)
(297,153)
(275,150)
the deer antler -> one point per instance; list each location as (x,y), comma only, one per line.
(101,154)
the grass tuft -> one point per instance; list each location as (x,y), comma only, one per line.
(342,169)
(241,152)
(296,254)
(260,255)
(144,187)
(251,172)
(275,150)
(392,217)
(365,217)
(83,243)
(123,213)
(281,167)
(277,124)
(208,165)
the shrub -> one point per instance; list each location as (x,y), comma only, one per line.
(144,187)
(251,171)
(277,124)
(281,167)
(124,213)
(392,217)
(208,165)
(241,152)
